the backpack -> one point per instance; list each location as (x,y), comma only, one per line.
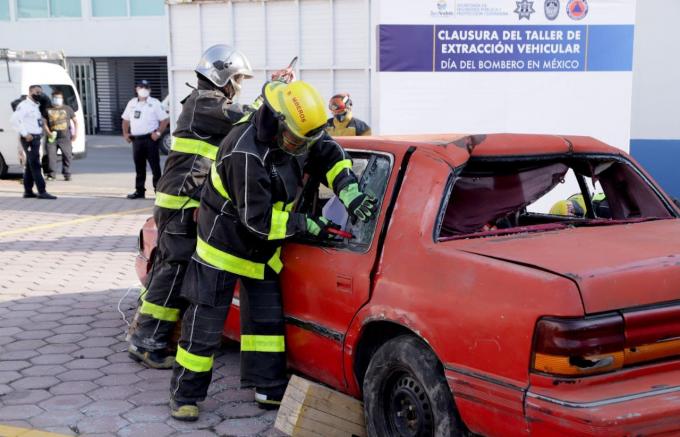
(16,102)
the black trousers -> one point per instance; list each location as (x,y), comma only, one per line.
(162,305)
(66,156)
(210,292)
(32,171)
(144,150)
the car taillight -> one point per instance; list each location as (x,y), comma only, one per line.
(576,347)
(587,346)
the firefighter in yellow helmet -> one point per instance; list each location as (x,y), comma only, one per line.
(575,206)
(246,213)
(343,123)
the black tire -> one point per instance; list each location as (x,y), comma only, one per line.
(3,167)
(406,394)
(165,143)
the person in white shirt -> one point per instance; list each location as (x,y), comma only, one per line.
(28,122)
(144,121)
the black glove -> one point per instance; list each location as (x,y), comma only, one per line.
(319,226)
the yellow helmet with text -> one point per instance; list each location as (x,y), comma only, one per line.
(301,112)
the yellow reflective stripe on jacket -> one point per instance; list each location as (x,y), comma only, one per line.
(228,262)
(142,292)
(216,182)
(279,222)
(335,171)
(283,207)
(263,343)
(196,147)
(195,363)
(158,312)
(275,261)
(175,202)
(231,263)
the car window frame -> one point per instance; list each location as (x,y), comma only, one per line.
(547,157)
(347,247)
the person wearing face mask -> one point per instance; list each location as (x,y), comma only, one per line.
(343,123)
(58,129)
(28,122)
(208,115)
(144,121)
(245,214)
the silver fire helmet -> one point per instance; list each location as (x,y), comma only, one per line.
(220,63)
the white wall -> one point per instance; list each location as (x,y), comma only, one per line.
(330,37)
(87,36)
(656,71)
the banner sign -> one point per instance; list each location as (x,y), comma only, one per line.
(505,48)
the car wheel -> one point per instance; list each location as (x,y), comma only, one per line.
(406,394)
(3,167)
(165,143)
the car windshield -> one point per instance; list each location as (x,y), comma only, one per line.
(498,196)
(70,98)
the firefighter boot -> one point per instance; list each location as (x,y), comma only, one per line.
(152,359)
(186,412)
(269,398)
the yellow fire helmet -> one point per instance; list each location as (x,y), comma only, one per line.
(299,106)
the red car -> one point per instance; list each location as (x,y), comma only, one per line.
(471,304)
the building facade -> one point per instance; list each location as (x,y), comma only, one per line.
(109,44)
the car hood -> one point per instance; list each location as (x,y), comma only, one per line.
(614,267)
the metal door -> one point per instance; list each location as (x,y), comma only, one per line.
(82,73)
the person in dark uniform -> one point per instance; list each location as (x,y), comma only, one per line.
(343,124)
(244,216)
(208,115)
(144,121)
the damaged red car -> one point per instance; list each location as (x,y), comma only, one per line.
(511,285)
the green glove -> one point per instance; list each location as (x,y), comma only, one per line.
(52,137)
(319,226)
(359,205)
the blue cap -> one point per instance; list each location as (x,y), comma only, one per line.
(143,84)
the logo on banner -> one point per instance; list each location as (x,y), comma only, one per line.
(577,9)
(524,9)
(442,9)
(552,9)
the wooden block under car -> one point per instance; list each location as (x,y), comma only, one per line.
(310,409)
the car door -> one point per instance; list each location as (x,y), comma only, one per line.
(324,284)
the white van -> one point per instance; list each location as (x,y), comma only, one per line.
(18,71)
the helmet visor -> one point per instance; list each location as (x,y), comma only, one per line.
(295,144)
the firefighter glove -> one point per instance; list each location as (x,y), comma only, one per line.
(359,205)
(320,226)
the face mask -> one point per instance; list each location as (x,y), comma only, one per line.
(58,101)
(341,117)
(36,96)
(143,93)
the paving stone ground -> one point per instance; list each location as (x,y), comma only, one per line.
(65,267)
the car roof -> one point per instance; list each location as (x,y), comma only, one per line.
(457,148)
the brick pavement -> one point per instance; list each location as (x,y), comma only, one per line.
(63,365)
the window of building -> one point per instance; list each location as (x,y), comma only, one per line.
(65,8)
(109,8)
(4,10)
(146,7)
(47,8)
(32,9)
(124,8)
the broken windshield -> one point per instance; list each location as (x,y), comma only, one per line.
(495,196)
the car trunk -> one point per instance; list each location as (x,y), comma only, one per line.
(615,266)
